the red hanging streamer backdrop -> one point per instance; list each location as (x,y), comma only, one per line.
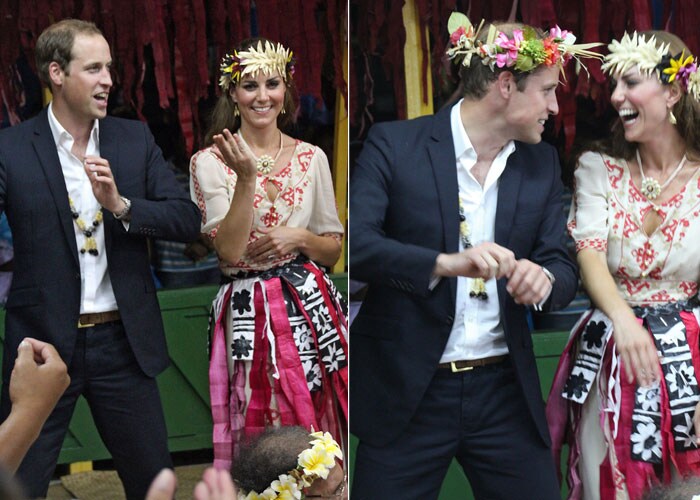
(186,40)
(379,31)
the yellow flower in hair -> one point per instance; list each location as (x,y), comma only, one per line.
(676,65)
(326,441)
(312,463)
(250,496)
(316,461)
(268,494)
(287,488)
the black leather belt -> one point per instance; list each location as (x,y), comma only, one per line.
(92,319)
(470,364)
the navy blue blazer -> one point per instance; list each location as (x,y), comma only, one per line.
(404,212)
(44,300)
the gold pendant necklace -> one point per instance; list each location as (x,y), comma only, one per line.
(265,163)
(650,186)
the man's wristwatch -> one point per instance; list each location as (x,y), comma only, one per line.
(549,275)
(127,209)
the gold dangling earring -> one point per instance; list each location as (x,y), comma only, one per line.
(235,109)
(284,111)
(671,117)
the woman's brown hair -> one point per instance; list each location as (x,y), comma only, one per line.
(686,111)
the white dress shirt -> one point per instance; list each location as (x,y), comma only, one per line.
(477,331)
(96,294)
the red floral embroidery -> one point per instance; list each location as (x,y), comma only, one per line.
(614,173)
(662,296)
(635,194)
(277,183)
(644,256)
(690,288)
(635,286)
(676,200)
(271,218)
(622,272)
(620,214)
(288,196)
(670,229)
(631,227)
(655,274)
(199,195)
(257,200)
(304,159)
(594,243)
(645,210)
(300,194)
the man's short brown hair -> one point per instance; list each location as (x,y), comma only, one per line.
(56,44)
(477,77)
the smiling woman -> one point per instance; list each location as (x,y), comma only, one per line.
(627,386)
(279,329)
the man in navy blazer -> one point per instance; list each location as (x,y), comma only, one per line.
(457,225)
(83,192)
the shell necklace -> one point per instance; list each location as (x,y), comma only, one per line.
(90,244)
(650,186)
(265,163)
(478,288)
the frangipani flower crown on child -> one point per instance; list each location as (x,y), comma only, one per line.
(313,463)
(524,52)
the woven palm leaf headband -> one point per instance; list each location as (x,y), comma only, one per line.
(642,52)
(524,52)
(266,58)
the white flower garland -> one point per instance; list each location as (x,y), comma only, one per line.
(314,462)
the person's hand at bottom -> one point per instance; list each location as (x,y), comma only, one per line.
(215,485)
(163,486)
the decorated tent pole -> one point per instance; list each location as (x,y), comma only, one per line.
(413,64)
(340,152)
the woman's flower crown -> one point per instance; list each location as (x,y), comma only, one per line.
(524,52)
(642,52)
(314,462)
(268,59)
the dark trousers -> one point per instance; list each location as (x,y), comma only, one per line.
(479,417)
(125,405)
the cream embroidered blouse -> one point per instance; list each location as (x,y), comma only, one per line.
(607,213)
(305,198)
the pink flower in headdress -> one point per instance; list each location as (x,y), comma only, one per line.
(558,33)
(684,74)
(510,46)
(457,34)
